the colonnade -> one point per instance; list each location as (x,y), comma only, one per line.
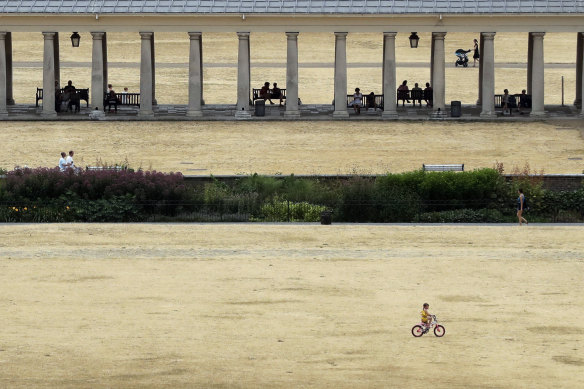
(99,74)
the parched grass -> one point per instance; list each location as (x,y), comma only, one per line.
(203,148)
(136,306)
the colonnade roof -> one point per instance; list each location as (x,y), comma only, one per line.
(316,7)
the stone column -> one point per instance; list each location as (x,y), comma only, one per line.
(243,78)
(9,71)
(3,94)
(292,111)
(97,71)
(537,81)
(104,66)
(195,85)
(49,80)
(487,68)
(389,77)
(431,63)
(57,60)
(529,63)
(340,76)
(153,61)
(146,76)
(579,61)
(201,67)
(438,73)
(481,62)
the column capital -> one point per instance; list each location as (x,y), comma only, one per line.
(292,35)
(438,35)
(49,35)
(97,35)
(146,34)
(390,34)
(243,35)
(341,34)
(488,35)
(581,34)
(537,34)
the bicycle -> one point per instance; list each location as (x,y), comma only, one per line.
(421,329)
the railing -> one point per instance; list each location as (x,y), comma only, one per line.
(125,98)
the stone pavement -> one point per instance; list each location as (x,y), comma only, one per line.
(226,112)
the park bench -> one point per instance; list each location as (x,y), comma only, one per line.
(518,101)
(366,103)
(109,168)
(256,94)
(414,95)
(454,167)
(83,95)
(129,99)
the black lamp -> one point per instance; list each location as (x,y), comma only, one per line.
(414,39)
(75,38)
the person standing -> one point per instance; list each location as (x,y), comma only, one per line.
(476,55)
(63,162)
(70,163)
(521,207)
(357,101)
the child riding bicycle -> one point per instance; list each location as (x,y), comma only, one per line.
(426,316)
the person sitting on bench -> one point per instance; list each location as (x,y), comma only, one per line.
(524,102)
(403,92)
(276,93)
(111,99)
(371,102)
(265,92)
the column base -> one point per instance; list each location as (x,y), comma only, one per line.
(340,115)
(243,115)
(488,114)
(292,114)
(195,113)
(146,114)
(537,113)
(389,115)
(10,102)
(3,114)
(49,115)
(479,103)
(578,103)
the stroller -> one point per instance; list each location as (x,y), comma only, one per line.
(461,58)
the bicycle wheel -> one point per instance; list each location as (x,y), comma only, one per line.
(417,331)
(439,331)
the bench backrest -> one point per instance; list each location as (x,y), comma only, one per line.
(519,100)
(125,98)
(83,93)
(256,93)
(454,167)
(366,103)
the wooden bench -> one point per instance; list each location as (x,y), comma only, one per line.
(256,95)
(414,95)
(456,167)
(377,103)
(129,99)
(519,101)
(83,95)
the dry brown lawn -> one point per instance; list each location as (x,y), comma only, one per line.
(288,306)
(315,84)
(203,148)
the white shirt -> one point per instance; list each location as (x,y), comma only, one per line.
(70,162)
(63,164)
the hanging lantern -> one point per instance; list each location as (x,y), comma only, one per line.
(414,39)
(75,38)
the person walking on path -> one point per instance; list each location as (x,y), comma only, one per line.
(521,207)
(476,54)
(63,162)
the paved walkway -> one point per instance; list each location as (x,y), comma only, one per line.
(308,112)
